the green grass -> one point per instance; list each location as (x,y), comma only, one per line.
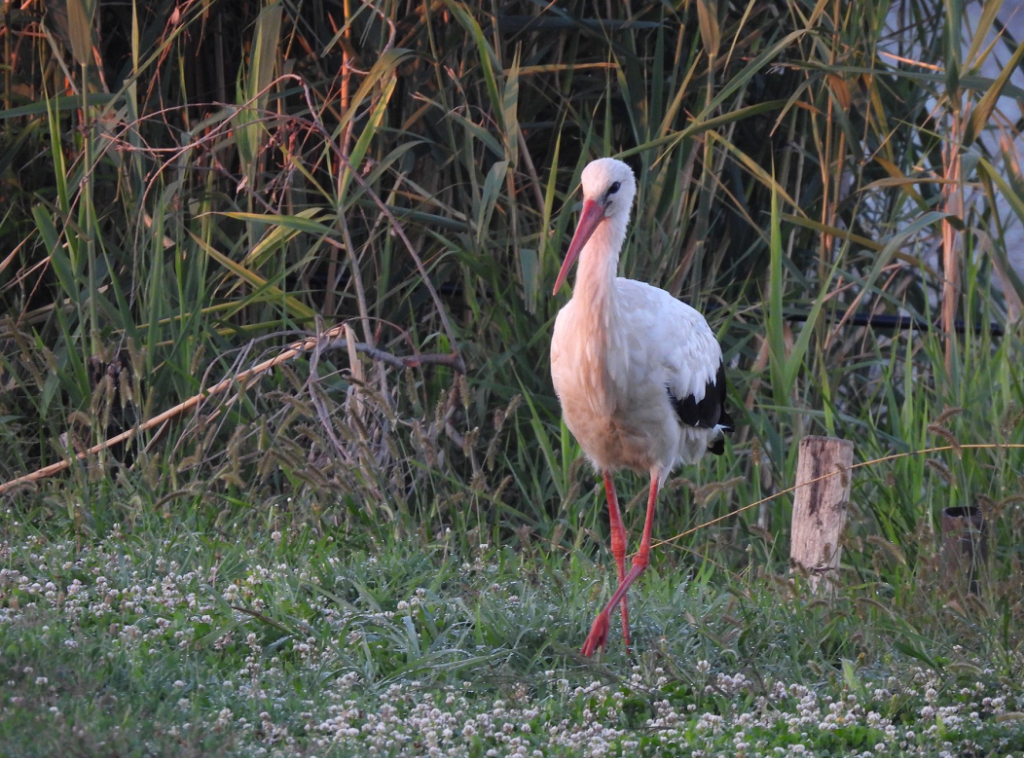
(186,192)
(186,634)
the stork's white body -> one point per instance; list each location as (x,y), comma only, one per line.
(614,360)
(638,373)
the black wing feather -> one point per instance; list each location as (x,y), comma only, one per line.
(708,412)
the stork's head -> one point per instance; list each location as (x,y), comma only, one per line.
(608,191)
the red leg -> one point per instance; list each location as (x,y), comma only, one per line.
(599,631)
(618,546)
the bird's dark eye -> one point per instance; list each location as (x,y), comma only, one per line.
(614,188)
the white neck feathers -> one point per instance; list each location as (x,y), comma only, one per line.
(599,262)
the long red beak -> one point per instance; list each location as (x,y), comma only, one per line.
(593,214)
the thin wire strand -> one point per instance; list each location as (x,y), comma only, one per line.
(885,459)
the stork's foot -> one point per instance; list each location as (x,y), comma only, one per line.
(598,635)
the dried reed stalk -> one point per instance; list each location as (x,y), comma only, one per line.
(331,339)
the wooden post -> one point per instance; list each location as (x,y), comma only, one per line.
(964,546)
(819,508)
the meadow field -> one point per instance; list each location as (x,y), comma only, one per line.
(298,257)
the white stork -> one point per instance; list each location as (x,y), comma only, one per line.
(638,373)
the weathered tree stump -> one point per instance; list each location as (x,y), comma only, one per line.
(964,546)
(819,508)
